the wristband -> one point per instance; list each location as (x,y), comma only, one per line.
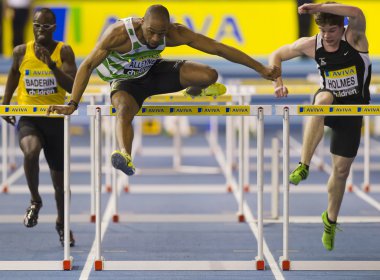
(72,102)
(52,65)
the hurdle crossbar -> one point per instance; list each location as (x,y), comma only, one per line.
(242,110)
(315,110)
(192,110)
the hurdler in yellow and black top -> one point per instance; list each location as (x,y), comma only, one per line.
(37,84)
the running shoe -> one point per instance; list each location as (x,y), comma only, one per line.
(299,174)
(61,232)
(31,215)
(216,89)
(123,162)
(328,235)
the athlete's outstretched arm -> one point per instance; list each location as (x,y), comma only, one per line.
(357,23)
(110,39)
(180,35)
(303,46)
(13,79)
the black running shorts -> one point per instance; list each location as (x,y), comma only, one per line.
(50,131)
(346,131)
(163,77)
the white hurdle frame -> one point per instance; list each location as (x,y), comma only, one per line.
(257,264)
(312,110)
(66,264)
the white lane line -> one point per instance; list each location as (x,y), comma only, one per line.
(277,273)
(366,198)
(105,223)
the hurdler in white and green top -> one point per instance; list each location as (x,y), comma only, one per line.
(133,64)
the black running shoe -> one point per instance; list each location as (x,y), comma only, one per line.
(31,216)
(60,229)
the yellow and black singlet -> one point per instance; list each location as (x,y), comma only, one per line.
(37,84)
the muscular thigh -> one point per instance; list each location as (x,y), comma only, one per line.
(345,137)
(164,77)
(50,133)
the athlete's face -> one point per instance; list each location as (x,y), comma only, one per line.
(154,30)
(43,28)
(331,34)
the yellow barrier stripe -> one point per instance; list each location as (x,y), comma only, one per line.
(359,110)
(24,110)
(191,111)
(183,98)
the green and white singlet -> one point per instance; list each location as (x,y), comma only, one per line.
(133,64)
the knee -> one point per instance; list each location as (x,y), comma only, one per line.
(31,155)
(341,172)
(324,98)
(209,75)
(125,112)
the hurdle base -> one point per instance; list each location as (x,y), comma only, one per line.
(68,264)
(93,218)
(260,264)
(181,265)
(350,188)
(284,264)
(246,189)
(229,189)
(5,189)
(99,264)
(335,265)
(108,188)
(126,189)
(366,188)
(115,218)
(241,218)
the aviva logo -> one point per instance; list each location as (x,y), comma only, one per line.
(311,110)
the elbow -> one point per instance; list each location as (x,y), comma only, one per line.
(70,89)
(357,13)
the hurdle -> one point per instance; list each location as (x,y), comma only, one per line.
(66,264)
(314,110)
(258,264)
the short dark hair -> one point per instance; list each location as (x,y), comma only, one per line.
(158,10)
(46,11)
(330,19)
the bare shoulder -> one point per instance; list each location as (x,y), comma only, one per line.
(179,34)
(19,50)
(18,54)
(114,36)
(177,29)
(305,43)
(66,50)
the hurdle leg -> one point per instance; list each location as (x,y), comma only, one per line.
(367,147)
(115,217)
(260,189)
(229,152)
(92,156)
(98,183)
(240,213)
(67,263)
(177,143)
(275,178)
(246,154)
(4,150)
(12,148)
(284,259)
(108,151)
